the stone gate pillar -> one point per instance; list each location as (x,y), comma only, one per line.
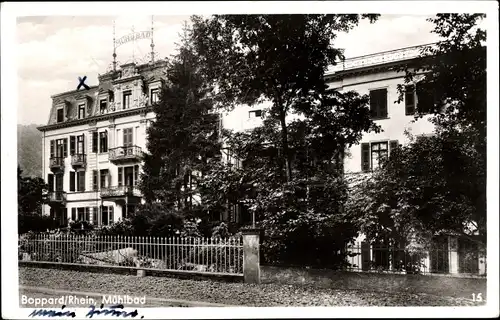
(251,257)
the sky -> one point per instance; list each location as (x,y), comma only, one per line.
(53,51)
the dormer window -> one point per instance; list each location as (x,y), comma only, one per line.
(155,95)
(127,97)
(103,106)
(81,111)
(60,115)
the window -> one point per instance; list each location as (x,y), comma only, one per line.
(103,106)
(59,182)
(103,141)
(421,97)
(373,153)
(155,93)
(426,97)
(61,148)
(81,214)
(127,137)
(107,215)
(81,111)
(255,114)
(80,146)
(379,152)
(409,100)
(73,214)
(103,177)
(72,180)
(60,115)
(94,142)
(95,180)
(127,96)
(129,176)
(378,103)
(80,181)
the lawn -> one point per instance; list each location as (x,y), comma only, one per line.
(264,295)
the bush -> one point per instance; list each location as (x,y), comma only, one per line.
(36,223)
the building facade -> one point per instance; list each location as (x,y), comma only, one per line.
(94,138)
(93,142)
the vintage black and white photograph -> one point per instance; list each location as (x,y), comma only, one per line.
(250,159)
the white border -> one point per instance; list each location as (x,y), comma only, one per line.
(9,12)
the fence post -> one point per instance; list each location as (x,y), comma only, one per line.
(453,254)
(251,258)
(481,260)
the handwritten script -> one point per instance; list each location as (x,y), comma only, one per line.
(114,310)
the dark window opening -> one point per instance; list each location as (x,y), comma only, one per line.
(127,97)
(378,103)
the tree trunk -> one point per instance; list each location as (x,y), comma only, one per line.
(284,139)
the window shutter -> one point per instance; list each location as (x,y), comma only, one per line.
(81,182)
(95,180)
(382,103)
(136,174)
(393,144)
(120,174)
(111,216)
(365,157)
(410,100)
(94,141)
(373,104)
(71,181)
(50,180)
(65,147)
(52,148)
(72,145)
(83,144)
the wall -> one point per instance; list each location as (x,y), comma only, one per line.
(393,128)
(374,282)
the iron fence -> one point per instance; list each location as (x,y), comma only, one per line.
(439,259)
(205,255)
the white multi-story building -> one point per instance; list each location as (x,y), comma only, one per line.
(93,142)
(94,137)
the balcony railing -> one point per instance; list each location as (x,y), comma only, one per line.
(379,58)
(120,191)
(56,197)
(125,153)
(79,160)
(56,163)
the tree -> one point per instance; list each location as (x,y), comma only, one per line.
(303,218)
(30,195)
(183,137)
(278,58)
(436,184)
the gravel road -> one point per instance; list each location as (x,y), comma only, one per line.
(264,295)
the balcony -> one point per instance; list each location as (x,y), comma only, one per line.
(56,164)
(120,192)
(56,197)
(79,160)
(125,153)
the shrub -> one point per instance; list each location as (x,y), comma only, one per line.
(35,223)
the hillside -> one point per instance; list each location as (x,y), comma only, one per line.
(29,149)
